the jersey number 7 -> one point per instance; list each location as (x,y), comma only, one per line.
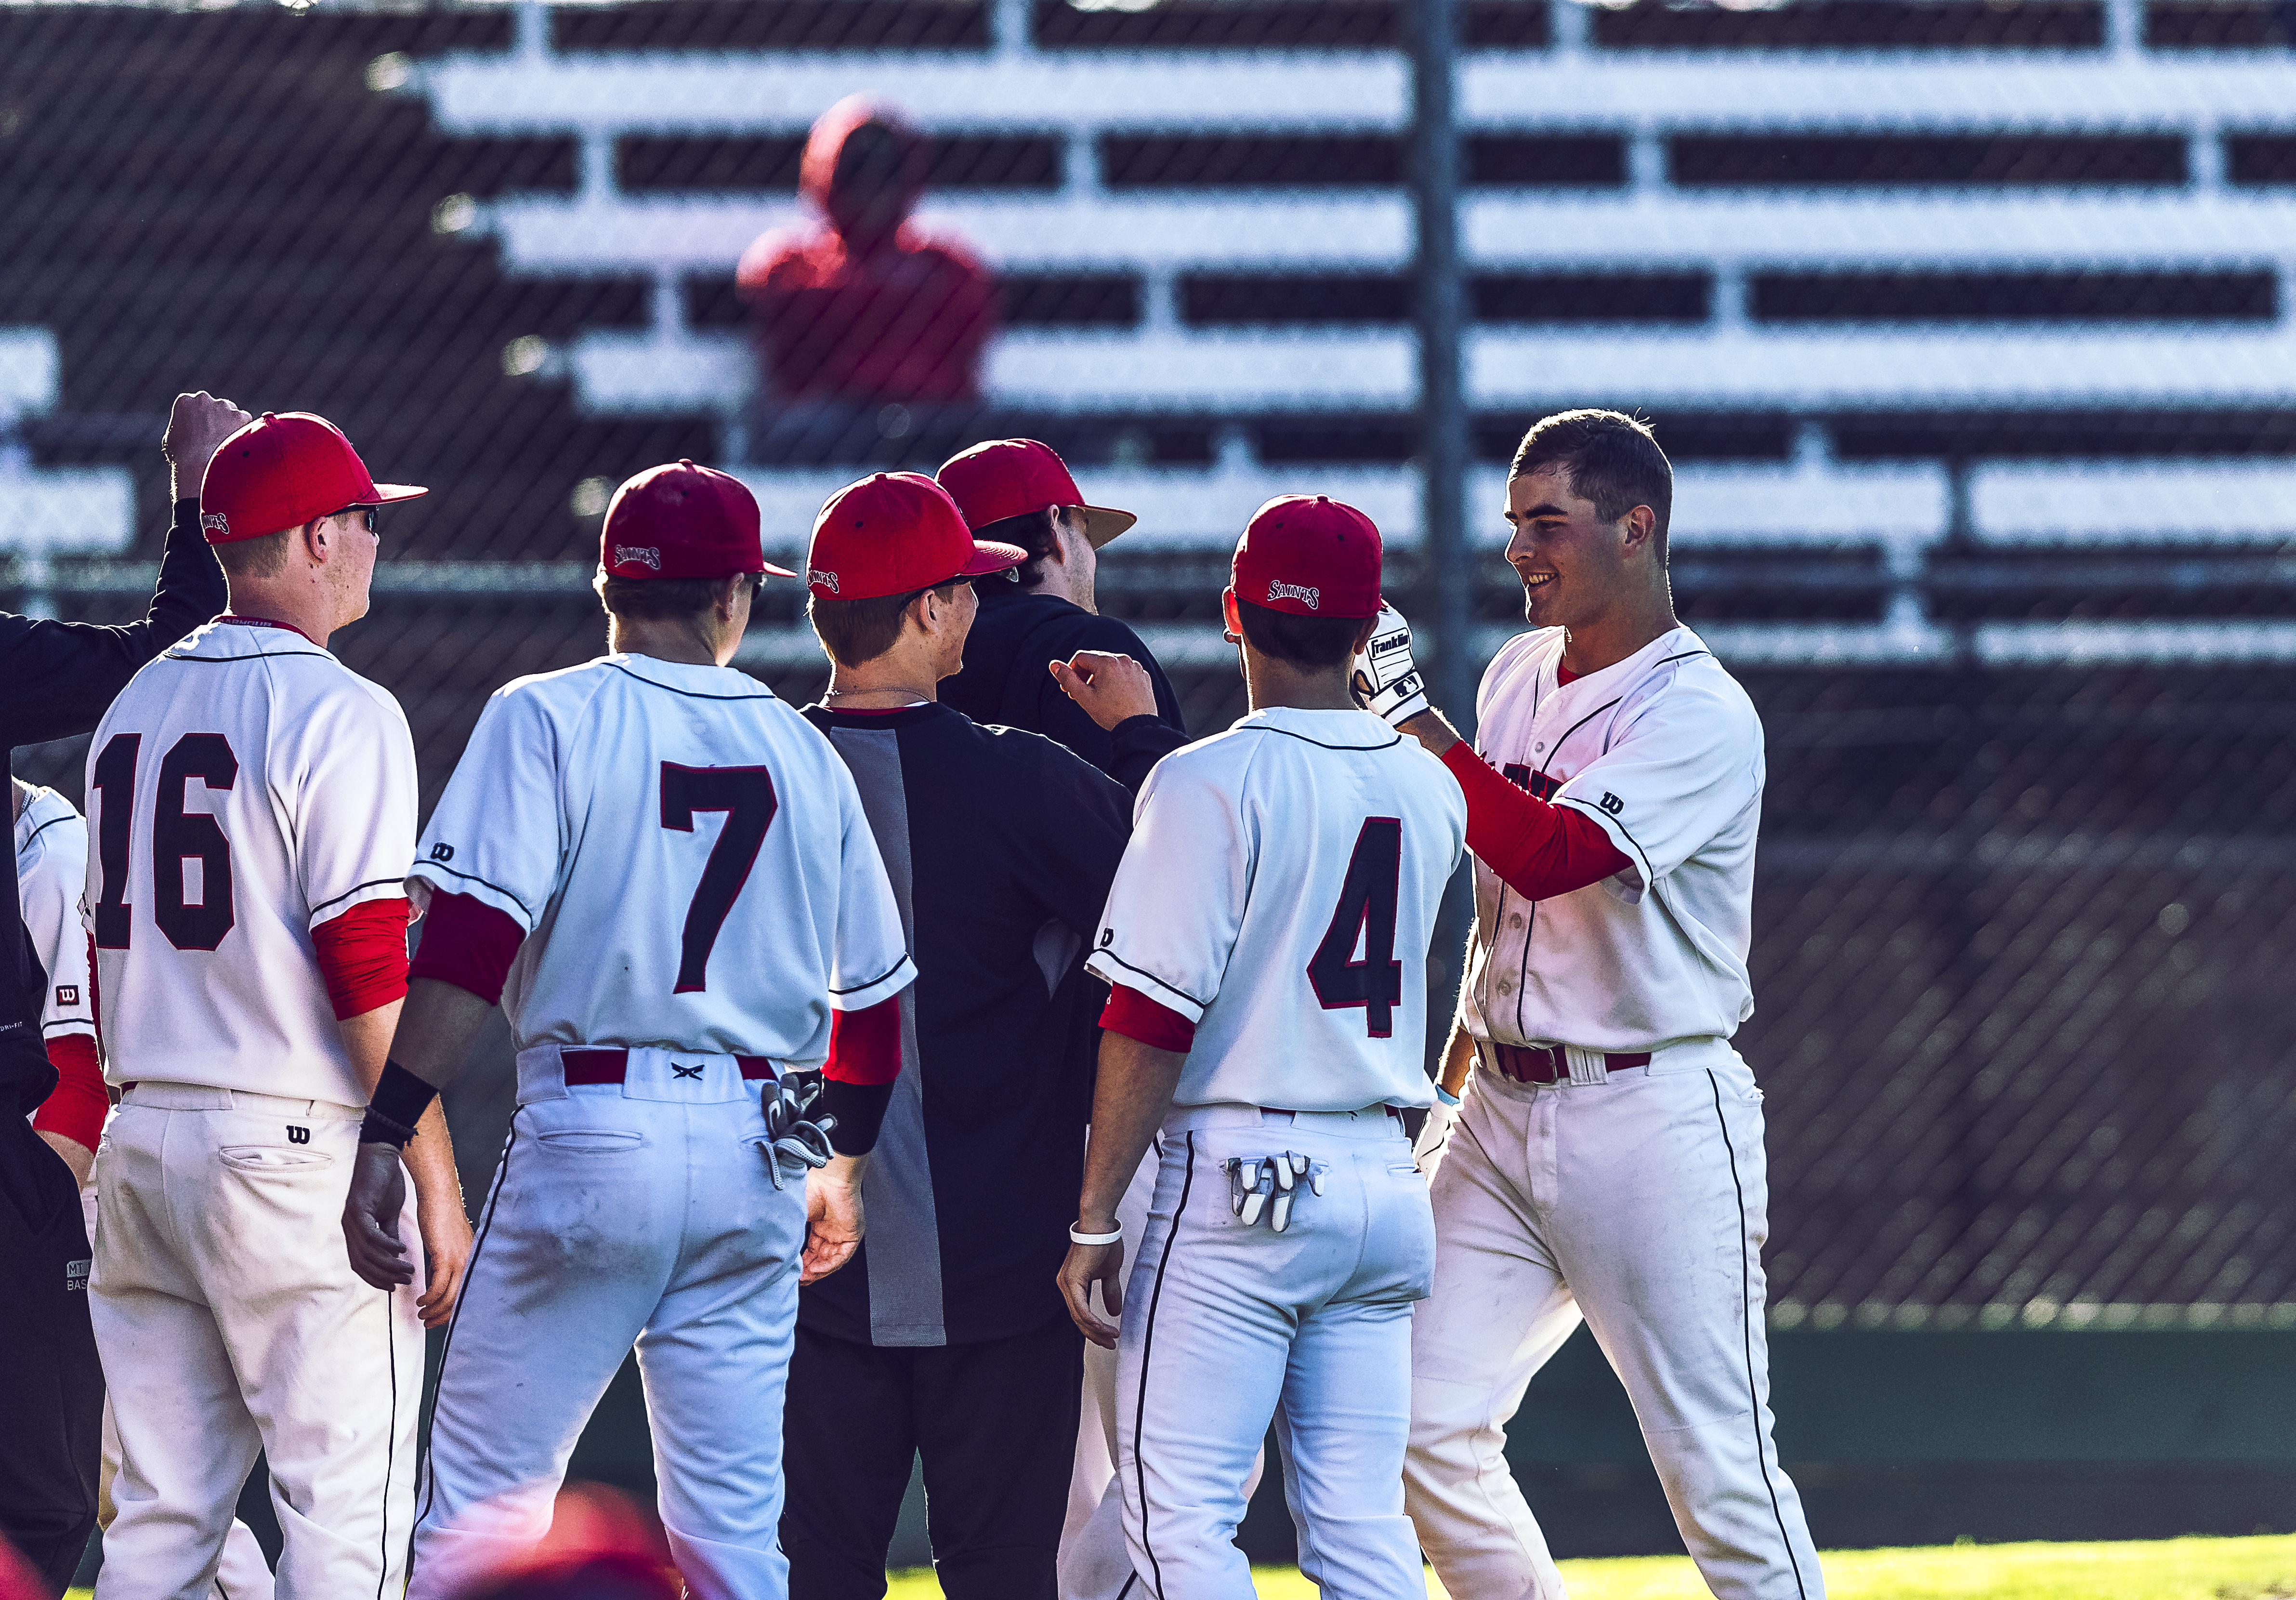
(1366,914)
(746,795)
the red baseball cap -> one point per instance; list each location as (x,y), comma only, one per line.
(894,533)
(682,521)
(1013,477)
(282,470)
(1309,555)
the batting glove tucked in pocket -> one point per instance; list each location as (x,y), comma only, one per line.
(788,1103)
(1269,1185)
(1384,678)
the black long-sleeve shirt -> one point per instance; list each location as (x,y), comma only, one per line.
(56,680)
(1004,681)
(1001,847)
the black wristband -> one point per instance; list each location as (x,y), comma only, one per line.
(859,1109)
(399,1100)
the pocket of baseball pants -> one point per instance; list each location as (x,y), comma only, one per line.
(271,1160)
(592,1141)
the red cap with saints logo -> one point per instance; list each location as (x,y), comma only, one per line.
(683,521)
(1311,555)
(282,470)
(894,533)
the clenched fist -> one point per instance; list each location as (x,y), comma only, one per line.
(197,425)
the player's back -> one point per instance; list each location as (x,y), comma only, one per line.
(676,842)
(244,789)
(1309,849)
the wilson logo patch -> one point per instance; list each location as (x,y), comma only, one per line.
(67,994)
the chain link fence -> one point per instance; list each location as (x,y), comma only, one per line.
(1967,325)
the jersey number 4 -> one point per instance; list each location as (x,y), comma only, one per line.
(745,794)
(177,836)
(1366,915)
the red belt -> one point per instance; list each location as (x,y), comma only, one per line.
(1532,1064)
(613,1066)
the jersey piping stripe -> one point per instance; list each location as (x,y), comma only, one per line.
(1147,1351)
(462,1299)
(1649,877)
(764,692)
(27,841)
(440,866)
(1144,973)
(391,1443)
(1318,744)
(1746,1318)
(260,655)
(353,890)
(872,983)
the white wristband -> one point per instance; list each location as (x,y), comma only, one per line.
(1110,1237)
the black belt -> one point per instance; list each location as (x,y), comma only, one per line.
(1532,1064)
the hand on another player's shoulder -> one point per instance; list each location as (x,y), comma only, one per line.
(1384,678)
(1110,688)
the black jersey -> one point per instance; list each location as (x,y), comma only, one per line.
(1001,847)
(1015,634)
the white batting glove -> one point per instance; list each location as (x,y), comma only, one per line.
(1435,1137)
(1385,679)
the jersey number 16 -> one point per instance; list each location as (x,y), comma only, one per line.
(177,835)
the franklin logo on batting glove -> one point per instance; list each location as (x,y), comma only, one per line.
(1384,678)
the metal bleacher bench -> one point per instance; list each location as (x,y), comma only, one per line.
(50,510)
(2190,215)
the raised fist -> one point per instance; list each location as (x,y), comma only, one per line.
(197,426)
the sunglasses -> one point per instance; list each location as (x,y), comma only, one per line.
(368,519)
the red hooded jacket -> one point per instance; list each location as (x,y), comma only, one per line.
(864,305)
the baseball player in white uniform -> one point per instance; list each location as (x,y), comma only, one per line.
(249,802)
(1607,1161)
(1265,943)
(51,872)
(671,871)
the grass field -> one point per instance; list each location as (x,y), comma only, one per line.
(2182,1568)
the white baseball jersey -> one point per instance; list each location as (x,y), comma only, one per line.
(1279,892)
(245,788)
(51,871)
(691,852)
(1664,750)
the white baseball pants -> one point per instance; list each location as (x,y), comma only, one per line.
(1094,1563)
(1641,1204)
(229,1321)
(242,1573)
(1226,1325)
(639,1212)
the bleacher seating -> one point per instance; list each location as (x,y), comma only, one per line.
(2063,228)
(50,510)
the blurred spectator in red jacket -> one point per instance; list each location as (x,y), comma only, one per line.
(870,331)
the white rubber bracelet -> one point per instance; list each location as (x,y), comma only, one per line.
(1108,1238)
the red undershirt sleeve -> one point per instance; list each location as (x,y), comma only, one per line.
(469,944)
(363,956)
(865,1045)
(1538,850)
(1135,1016)
(75,1107)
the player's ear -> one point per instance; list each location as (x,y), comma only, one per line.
(1642,528)
(1231,619)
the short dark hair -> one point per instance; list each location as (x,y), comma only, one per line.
(856,631)
(1034,531)
(663,599)
(263,556)
(1310,641)
(1612,459)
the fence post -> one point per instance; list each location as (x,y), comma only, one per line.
(1443,427)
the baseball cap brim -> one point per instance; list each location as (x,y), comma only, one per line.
(989,556)
(768,568)
(1102,524)
(385,493)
